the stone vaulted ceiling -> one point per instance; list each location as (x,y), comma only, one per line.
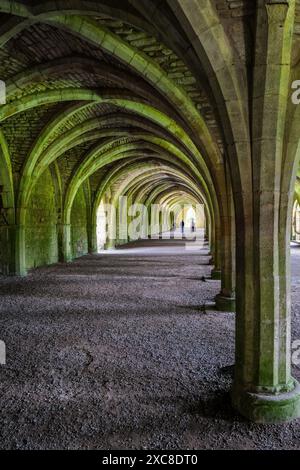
(108,98)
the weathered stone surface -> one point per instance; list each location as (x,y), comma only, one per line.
(162,102)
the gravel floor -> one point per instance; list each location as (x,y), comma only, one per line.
(113,351)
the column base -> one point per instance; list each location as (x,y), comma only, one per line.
(268,408)
(225,304)
(109,247)
(216,274)
(121,241)
(22,273)
(67,258)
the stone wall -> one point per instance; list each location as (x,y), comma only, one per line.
(41,224)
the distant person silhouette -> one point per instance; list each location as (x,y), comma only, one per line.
(182,226)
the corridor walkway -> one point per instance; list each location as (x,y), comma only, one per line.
(115,351)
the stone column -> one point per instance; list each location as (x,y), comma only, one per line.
(216,251)
(8,230)
(60,241)
(225,300)
(90,233)
(10,265)
(112,226)
(20,250)
(67,242)
(206,225)
(122,221)
(264,389)
(94,247)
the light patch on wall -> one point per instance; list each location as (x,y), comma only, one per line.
(2,92)
(296,352)
(296,94)
(2,353)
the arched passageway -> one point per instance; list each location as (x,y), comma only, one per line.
(138,108)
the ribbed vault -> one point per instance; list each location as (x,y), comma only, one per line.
(181,101)
(111,90)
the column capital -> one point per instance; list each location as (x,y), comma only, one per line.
(277,10)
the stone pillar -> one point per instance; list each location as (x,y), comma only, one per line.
(7,237)
(122,221)
(90,237)
(216,251)
(206,225)
(60,241)
(10,267)
(94,246)
(111,226)
(172,221)
(67,242)
(264,389)
(225,300)
(20,253)
(160,225)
